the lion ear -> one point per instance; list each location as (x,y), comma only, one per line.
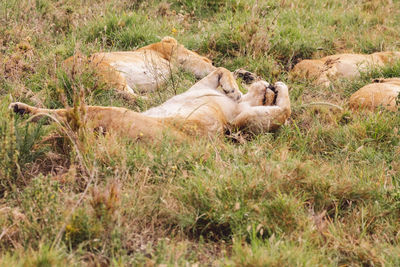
(170,40)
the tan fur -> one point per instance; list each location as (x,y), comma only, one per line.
(201,110)
(383,93)
(144,69)
(323,71)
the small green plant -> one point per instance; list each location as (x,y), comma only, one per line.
(82,230)
(94,227)
(18,147)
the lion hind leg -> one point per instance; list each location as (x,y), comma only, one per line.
(22,108)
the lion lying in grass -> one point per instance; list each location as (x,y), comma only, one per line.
(323,71)
(384,92)
(145,69)
(202,110)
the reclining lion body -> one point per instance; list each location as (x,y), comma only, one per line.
(202,110)
(145,69)
(383,93)
(323,71)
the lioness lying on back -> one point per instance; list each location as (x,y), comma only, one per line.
(146,68)
(201,110)
(323,71)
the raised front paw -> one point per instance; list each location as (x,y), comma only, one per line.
(280,87)
(282,98)
(19,108)
(247,76)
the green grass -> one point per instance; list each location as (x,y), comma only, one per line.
(323,190)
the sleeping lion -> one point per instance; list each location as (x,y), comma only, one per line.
(144,69)
(383,92)
(323,71)
(202,110)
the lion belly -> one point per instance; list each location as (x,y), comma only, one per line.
(143,70)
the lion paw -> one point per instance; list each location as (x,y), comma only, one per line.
(247,76)
(19,108)
(280,86)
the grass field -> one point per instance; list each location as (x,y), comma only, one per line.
(324,190)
